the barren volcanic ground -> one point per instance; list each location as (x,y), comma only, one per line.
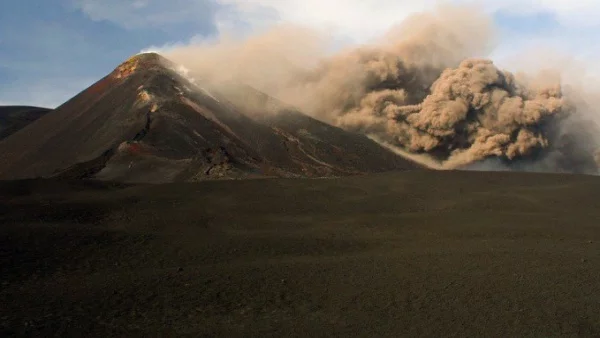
(418,253)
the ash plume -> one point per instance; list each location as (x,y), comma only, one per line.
(472,112)
(423,88)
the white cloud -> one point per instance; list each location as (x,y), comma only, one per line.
(144,13)
(580,13)
(359,19)
(366,18)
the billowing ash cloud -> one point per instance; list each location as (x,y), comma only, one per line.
(419,89)
(472,112)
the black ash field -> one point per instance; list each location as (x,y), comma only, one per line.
(416,253)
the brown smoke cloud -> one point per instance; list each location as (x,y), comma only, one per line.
(418,89)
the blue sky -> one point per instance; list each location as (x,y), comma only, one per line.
(52,49)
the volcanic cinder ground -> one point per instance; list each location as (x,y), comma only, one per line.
(421,253)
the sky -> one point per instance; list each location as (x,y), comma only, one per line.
(52,49)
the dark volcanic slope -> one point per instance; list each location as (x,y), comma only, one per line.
(145,123)
(308,138)
(436,254)
(15,118)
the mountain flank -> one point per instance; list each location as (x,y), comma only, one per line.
(144,122)
(15,118)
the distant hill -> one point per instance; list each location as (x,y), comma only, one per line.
(15,118)
(144,122)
